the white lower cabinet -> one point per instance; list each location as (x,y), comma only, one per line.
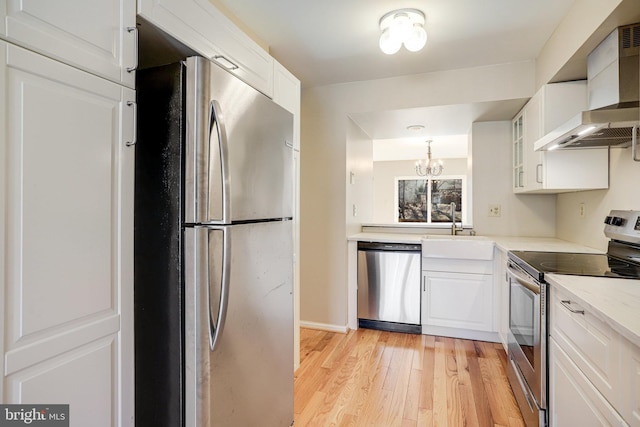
(574,401)
(594,372)
(66,247)
(631,379)
(592,345)
(500,260)
(458,299)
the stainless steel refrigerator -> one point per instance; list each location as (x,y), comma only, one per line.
(213,251)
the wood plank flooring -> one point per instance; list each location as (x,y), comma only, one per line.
(385,379)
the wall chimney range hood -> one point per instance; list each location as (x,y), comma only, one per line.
(613,81)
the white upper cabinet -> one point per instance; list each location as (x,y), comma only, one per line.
(518,152)
(203,28)
(562,170)
(96,36)
(286,93)
(286,88)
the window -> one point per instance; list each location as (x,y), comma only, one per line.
(429,200)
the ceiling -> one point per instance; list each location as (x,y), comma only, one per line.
(447,126)
(336,41)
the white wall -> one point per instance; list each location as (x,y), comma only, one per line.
(324,128)
(359,194)
(360,179)
(624,175)
(324,115)
(384,184)
(522,215)
(322,207)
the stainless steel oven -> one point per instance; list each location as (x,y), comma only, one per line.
(527,344)
(527,338)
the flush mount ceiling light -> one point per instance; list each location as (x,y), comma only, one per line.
(402,26)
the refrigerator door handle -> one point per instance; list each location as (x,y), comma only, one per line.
(219,151)
(222,281)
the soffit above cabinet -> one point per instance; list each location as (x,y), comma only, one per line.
(198,25)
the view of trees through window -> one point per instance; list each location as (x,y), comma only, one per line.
(429,200)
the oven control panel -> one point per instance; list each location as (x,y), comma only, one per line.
(623,225)
(615,220)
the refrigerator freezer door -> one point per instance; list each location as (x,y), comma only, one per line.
(247,380)
(239,163)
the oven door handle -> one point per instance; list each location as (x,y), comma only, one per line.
(523,280)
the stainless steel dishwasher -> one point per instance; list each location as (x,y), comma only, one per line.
(389,286)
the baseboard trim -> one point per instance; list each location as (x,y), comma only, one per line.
(460,333)
(324,327)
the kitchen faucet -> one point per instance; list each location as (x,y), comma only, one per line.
(454,228)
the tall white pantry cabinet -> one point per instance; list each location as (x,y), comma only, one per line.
(67,129)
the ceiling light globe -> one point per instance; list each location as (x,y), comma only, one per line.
(417,40)
(401,27)
(388,44)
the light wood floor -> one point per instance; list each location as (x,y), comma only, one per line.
(384,379)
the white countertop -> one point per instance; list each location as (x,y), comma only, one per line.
(614,301)
(543,244)
(506,243)
(387,237)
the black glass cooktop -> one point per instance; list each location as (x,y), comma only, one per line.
(580,264)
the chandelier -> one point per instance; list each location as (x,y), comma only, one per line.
(431,167)
(402,26)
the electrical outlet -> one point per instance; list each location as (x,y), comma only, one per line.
(494,210)
(582,210)
(355,210)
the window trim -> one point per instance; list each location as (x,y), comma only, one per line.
(465,206)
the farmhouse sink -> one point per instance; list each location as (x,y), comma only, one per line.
(452,237)
(457,247)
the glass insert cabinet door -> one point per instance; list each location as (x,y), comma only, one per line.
(518,152)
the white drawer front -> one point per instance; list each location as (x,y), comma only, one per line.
(574,401)
(470,266)
(630,369)
(590,343)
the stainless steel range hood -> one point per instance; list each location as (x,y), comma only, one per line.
(614,91)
